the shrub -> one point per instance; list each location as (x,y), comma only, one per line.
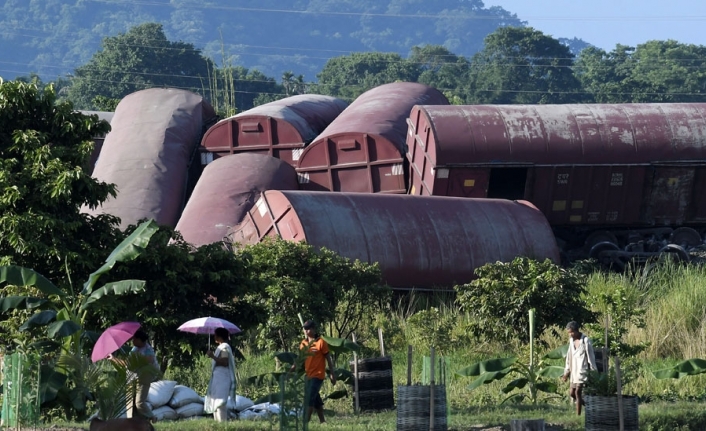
(295,277)
(500,298)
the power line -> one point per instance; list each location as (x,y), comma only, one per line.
(425,16)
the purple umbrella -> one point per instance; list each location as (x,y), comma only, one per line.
(112,339)
(207,325)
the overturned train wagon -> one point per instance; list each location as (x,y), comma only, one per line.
(419,242)
(623,181)
(363,149)
(226,191)
(280,129)
(149,152)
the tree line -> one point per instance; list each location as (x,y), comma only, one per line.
(515,65)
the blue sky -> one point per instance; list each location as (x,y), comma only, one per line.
(605,23)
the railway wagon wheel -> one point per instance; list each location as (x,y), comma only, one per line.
(598,237)
(601,252)
(685,237)
(675,251)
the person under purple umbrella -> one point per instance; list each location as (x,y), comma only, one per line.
(222,384)
(138,406)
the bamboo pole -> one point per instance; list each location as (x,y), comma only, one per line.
(382,343)
(409,365)
(355,379)
(621,419)
(431,390)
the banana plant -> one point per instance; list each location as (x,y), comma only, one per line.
(690,367)
(63,313)
(534,376)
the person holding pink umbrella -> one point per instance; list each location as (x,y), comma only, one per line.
(138,407)
(222,384)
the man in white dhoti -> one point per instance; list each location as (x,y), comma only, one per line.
(222,384)
(579,359)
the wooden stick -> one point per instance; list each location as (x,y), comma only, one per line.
(621,420)
(382,344)
(409,365)
(355,379)
(431,390)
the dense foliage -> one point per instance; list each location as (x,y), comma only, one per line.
(181,283)
(44,148)
(500,298)
(296,278)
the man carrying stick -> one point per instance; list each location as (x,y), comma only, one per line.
(315,368)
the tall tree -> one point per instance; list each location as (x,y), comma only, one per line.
(141,58)
(443,70)
(523,65)
(349,76)
(656,71)
(44,146)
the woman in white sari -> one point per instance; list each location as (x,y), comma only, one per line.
(222,384)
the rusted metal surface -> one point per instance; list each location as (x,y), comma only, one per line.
(421,242)
(98,140)
(627,164)
(227,190)
(147,154)
(363,149)
(280,129)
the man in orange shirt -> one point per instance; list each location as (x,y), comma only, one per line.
(315,368)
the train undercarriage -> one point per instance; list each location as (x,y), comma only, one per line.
(616,248)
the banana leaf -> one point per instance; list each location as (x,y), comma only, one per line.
(690,367)
(552,371)
(50,382)
(479,368)
(558,353)
(122,287)
(8,303)
(43,318)
(286,357)
(341,345)
(63,328)
(515,384)
(129,249)
(19,276)
(488,377)
(549,387)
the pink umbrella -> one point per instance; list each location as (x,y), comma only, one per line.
(208,325)
(112,339)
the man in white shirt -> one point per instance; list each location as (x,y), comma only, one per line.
(579,359)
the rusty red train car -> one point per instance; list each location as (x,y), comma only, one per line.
(623,177)
(226,191)
(419,242)
(279,129)
(363,149)
(149,152)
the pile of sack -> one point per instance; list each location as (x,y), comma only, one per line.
(171,401)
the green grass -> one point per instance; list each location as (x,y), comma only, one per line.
(660,416)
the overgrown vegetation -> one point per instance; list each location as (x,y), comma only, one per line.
(500,298)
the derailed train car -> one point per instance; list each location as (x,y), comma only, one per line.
(363,149)
(227,189)
(148,153)
(422,243)
(615,181)
(279,129)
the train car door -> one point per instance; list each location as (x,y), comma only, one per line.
(507,183)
